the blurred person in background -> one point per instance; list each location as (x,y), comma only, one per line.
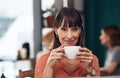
(47,40)
(68,31)
(110,37)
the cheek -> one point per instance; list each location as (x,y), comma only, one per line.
(104,39)
(101,37)
(76,35)
(61,35)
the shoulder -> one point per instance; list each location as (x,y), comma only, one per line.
(41,63)
(43,56)
(95,57)
(95,65)
(116,49)
(116,54)
(95,61)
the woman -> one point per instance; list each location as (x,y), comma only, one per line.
(68,31)
(110,37)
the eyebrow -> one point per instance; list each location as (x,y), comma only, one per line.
(63,26)
(69,26)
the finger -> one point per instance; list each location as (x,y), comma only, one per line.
(82,49)
(57,54)
(57,50)
(84,54)
(83,57)
(86,61)
(56,58)
(61,46)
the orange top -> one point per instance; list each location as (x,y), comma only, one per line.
(63,70)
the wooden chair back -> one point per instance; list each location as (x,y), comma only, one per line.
(26,73)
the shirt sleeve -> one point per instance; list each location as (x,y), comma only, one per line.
(116,55)
(40,65)
(95,65)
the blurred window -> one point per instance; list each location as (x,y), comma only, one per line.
(16,27)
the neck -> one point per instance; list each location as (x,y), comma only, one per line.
(110,47)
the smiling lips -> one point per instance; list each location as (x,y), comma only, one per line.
(70,41)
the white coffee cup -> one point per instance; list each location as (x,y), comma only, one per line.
(71,51)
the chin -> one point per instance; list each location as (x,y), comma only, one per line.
(69,45)
(104,44)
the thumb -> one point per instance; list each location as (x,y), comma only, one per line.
(61,46)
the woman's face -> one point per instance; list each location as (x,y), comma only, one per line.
(104,38)
(68,36)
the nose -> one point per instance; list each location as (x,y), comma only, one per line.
(69,34)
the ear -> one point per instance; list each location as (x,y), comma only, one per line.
(56,31)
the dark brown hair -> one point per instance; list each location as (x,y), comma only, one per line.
(72,17)
(113,32)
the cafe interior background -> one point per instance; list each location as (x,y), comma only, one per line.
(23,22)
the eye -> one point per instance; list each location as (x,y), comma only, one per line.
(63,29)
(75,29)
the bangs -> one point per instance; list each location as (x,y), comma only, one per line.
(70,17)
(71,22)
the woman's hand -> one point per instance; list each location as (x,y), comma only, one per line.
(85,55)
(55,56)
